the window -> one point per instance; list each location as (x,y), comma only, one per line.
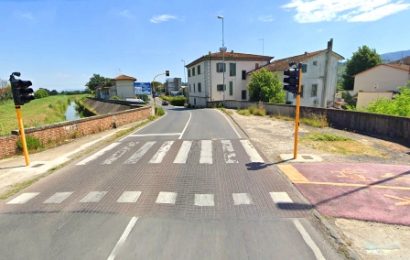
(220,87)
(193,71)
(220,67)
(315,62)
(232,69)
(189,73)
(230,88)
(199,87)
(314,90)
(243,94)
(256,66)
(304,68)
(199,69)
(194,87)
(244,74)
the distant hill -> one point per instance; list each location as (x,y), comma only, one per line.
(393,56)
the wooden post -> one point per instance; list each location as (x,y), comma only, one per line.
(297,113)
(22,135)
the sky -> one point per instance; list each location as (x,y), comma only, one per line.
(61,44)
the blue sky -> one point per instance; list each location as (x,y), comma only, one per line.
(60,44)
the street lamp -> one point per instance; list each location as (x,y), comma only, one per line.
(184,70)
(166,73)
(223,50)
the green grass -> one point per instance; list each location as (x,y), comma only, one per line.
(243,112)
(326,137)
(38,112)
(252,110)
(159,111)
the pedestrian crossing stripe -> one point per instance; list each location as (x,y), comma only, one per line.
(163,197)
(205,156)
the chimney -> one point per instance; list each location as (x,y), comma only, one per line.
(330,44)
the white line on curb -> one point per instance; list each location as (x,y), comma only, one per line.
(186,125)
(122,239)
(305,235)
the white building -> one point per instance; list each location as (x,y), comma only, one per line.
(319,78)
(205,76)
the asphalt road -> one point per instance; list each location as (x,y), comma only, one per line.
(187,186)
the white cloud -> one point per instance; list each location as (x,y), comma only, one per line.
(162,18)
(266,18)
(312,11)
(24,15)
(125,14)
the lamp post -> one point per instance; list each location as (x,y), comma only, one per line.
(223,50)
(184,70)
(166,73)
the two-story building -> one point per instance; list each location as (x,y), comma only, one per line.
(207,81)
(319,78)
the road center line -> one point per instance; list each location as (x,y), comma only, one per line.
(308,240)
(123,237)
(186,125)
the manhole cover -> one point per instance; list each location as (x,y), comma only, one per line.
(307,157)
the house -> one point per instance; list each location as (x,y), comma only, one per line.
(206,76)
(172,85)
(380,81)
(319,78)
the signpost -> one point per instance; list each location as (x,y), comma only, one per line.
(142,88)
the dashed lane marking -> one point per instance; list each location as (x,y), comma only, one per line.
(183,152)
(118,154)
(204,200)
(23,198)
(280,197)
(140,153)
(166,198)
(97,154)
(206,152)
(251,151)
(58,197)
(160,154)
(129,197)
(93,197)
(241,199)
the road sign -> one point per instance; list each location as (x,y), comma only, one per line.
(142,88)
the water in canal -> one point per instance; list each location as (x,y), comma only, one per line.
(71,112)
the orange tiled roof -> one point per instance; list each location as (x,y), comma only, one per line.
(231,56)
(125,77)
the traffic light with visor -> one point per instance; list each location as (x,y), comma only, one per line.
(22,93)
(291,80)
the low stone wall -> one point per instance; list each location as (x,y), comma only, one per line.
(58,133)
(102,106)
(382,126)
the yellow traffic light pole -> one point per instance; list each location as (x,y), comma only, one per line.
(22,135)
(297,113)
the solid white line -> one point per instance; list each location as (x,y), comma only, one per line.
(309,241)
(97,154)
(23,198)
(58,197)
(119,153)
(138,154)
(206,152)
(122,239)
(129,197)
(159,134)
(186,125)
(93,196)
(160,154)
(229,153)
(183,152)
(204,200)
(251,151)
(166,198)
(230,123)
(280,197)
(241,199)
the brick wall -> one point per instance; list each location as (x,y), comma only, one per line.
(58,133)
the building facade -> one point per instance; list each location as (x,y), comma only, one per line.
(172,85)
(123,87)
(206,76)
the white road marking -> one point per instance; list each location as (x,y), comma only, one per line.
(206,152)
(23,198)
(241,199)
(251,151)
(160,154)
(166,197)
(129,197)
(119,153)
(159,134)
(229,153)
(309,241)
(97,154)
(230,123)
(58,197)
(123,237)
(204,200)
(138,154)
(280,197)
(186,125)
(93,196)
(183,152)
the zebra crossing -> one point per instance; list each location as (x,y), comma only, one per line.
(206,153)
(163,197)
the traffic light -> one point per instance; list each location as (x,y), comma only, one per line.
(167,73)
(20,88)
(291,80)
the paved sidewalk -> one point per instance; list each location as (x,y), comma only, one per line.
(13,171)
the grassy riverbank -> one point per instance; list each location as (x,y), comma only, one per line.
(38,112)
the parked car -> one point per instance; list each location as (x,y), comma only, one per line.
(165,103)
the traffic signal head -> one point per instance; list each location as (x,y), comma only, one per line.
(22,93)
(291,80)
(167,73)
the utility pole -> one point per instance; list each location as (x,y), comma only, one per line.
(223,50)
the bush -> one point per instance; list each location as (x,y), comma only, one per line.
(177,101)
(115,98)
(41,93)
(143,97)
(159,111)
(244,112)
(257,110)
(33,143)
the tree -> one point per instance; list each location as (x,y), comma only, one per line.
(5,90)
(364,58)
(157,86)
(41,93)
(265,86)
(97,81)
